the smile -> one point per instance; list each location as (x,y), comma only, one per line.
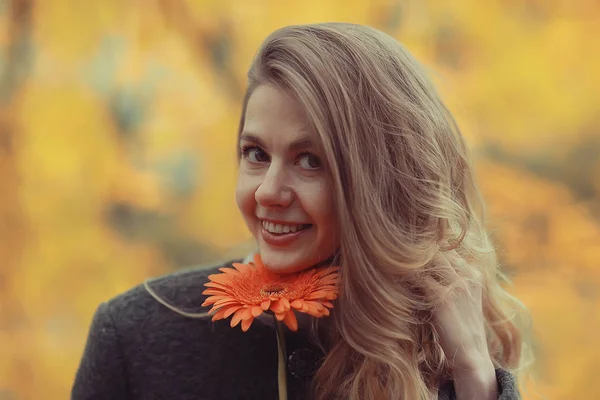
(279,229)
(283,234)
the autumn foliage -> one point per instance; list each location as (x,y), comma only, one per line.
(117,156)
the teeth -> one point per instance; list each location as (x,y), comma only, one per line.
(281,228)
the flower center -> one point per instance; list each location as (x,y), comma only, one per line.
(272,289)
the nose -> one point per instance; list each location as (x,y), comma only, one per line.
(274,191)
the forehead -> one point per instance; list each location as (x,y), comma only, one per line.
(272,114)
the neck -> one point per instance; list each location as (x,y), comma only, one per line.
(327,262)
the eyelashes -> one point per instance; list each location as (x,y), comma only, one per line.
(256,155)
(246,148)
(310,159)
(250,152)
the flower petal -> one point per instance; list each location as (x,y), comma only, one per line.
(230,310)
(329,280)
(217,292)
(322,272)
(265,304)
(217,302)
(221,278)
(280,316)
(297,304)
(256,311)
(246,324)
(277,306)
(237,317)
(230,271)
(220,306)
(258,261)
(316,304)
(216,285)
(290,320)
(247,313)
(318,295)
(219,315)
(225,299)
(243,268)
(331,296)
(218,297)
(312,308)
(285,302)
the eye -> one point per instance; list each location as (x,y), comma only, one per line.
(309,161)
(254,154)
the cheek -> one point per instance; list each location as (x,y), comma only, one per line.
(318,203)
(244,197)
(322,211)
(328,218)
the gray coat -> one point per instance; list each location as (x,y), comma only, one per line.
(139,349)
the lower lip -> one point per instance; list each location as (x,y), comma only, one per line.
(282,239)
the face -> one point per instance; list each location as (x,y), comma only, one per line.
(284,188)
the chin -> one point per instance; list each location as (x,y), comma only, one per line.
(285,262)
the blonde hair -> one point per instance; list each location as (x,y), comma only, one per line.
(407,203)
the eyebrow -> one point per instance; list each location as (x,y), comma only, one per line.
(298,144)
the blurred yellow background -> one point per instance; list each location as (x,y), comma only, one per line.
(117,156)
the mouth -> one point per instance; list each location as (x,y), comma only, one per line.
(283,228)
(282,234)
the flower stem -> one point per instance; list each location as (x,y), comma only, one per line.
(282,357)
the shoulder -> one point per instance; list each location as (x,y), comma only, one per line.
(507,387)
(139,347)
(181,290)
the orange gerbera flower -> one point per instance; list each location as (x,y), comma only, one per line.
(251,289)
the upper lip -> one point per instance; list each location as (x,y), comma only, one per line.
(281,222)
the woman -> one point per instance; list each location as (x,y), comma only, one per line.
(347,156)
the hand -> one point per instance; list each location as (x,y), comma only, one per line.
(460,324)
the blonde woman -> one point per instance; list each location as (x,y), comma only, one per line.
(347,157)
